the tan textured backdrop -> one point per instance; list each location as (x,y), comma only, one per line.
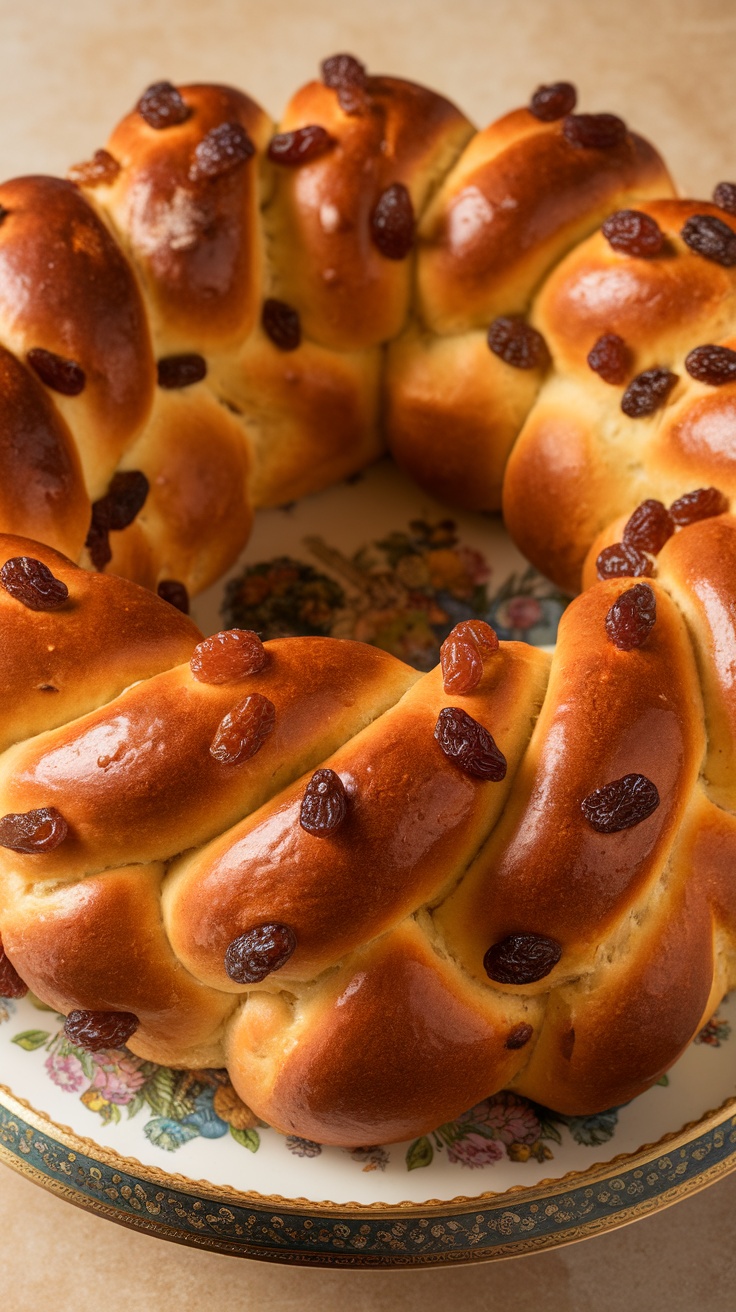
(68,69)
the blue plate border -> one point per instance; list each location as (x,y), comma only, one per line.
(296,1231)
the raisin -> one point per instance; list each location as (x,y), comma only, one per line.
(175,593)
(609,358)
(32,583)
(468,745)
(99,1031)
(347,76)
(324,805)
(553,101)
(632,617)
(99,171)
(649,527)
(517,343)
(161,106)
(125,497)
(97,543)
(621,804)
(712,238)
(714,365)
(232,654)
(594,131)
(633,233)
(647,392)
(461,655)
(176,371)
(31,832)
(282,324)
(392,222)
(725,196)
(242,732)
(622,561)
(259,952)
(222,151)
(11,984)
(64,376)
(3,213)
(703,503)
(521,958)
(300,146)
(519,1036)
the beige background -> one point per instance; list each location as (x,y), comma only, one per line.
(68,69)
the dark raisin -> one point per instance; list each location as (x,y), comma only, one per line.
(11,984)
(3,213)
(647,392)
(61,375)
(324,805)
(97,542)
(125,498)
(594,131)
(609,358)
(711,238)
(33,831)
(622,561)
(649,527)
(232,654)
(175,593)
(714,365)
(468,745)
(176,371)
(224,149)
(725,196)
(621,804)
(519,1036)
(553,101)
(99,171)
(392,222)
(703,503)
(521,958)
(633,233)
(259,952)
(462,652)
(32,583)
(161,106)
(100,1031)
(300,146)
(282,324)
(517,343)
(242,732)
(632,617)
(347,76)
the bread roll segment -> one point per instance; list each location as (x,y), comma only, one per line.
(462,929)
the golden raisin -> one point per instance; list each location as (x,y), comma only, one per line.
(259,952)
(99,171)
(100,1031)
(232,654)
(242,732)
(621,561)
(461,655)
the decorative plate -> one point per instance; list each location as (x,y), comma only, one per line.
(178,1155)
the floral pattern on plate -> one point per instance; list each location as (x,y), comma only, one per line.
(182,1105)
(403,593)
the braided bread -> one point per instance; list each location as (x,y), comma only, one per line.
(376,897)
(209,318)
